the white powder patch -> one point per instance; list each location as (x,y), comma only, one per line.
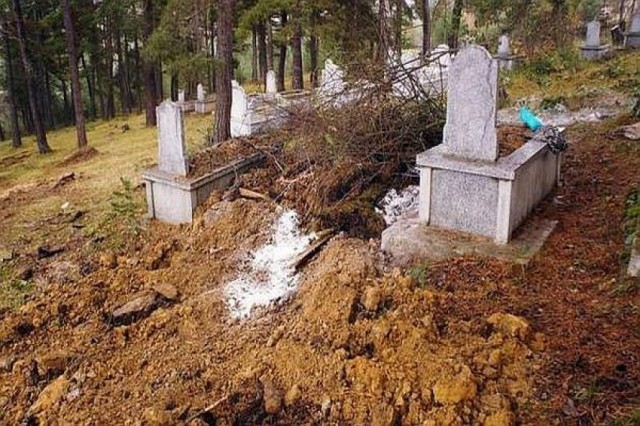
(395,204)
(271,275)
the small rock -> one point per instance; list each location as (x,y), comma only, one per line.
(6,363)
(167,291)
(47,251)
(325,406)
(6,255)
(292,396)
(371,299)
(25,273)
(451,390)
(138,308)
(510,325)
(50,396)
(154,416)
(500,418)
(272,398)
(54,364)
(63,272)
(109,260)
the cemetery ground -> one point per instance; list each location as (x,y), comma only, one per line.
(463,341)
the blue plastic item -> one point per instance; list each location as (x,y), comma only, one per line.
(530,119)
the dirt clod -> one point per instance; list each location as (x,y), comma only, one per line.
(452,389)
(292,396)
(510,325)
(50,395)
(371,299)
(140,307)
(272,398)
(167,291)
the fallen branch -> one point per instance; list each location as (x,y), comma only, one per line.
(252,195)
(323,238)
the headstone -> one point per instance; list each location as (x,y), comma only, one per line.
(504,49)
(332,79)
(593,34)
(272,88)
(470,130)
(181,96)
(201,93)
(635,23)
(633,36)
(171,146)
(238,101)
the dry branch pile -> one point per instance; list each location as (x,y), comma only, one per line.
(337,161)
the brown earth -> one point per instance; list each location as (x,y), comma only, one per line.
(467,341)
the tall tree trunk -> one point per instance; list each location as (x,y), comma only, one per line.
(41,136)
(262,52)
(269,45)
(397,42)
(282,62)
(296,50)
(122,73)
(175,87)
(138,63)
(254,54)
(383,30)
(72,51)
(16,139)
(313,60)
(90,87)
(224,70)
(455,24)
(426,30)
(159,82)
(149,69)
(110,106)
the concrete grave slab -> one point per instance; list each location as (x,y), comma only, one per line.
(632,39)
(592,49)
(171,144)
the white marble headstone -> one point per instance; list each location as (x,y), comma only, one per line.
(201,93)
(181,96)
(171,145)
(238,101)
(271,82)
(635,23)
(593,34)
(504,49)
(470,130)
(332,79)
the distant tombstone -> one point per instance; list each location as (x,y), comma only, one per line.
(633,37)
(272,87)
(470,130)
(181,97)
(201,93)
(593,34)
(238,101)
(504,49)
(171,146)
(332,79)
(635,23)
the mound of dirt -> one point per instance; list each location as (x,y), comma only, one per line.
(80,156)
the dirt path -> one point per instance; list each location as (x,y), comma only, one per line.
(469,341)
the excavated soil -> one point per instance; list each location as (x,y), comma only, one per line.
(511,137)
(466,341)
(214,157)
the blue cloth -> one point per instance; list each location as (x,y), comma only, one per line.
(530,119)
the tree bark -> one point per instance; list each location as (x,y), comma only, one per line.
(149,69)
(72,51)
(455,24)
(16,139)
(269,45)
(313,60)
(262,52)
(296,50)
(398,28)
(41,136)
(282,62)
(254,54)
(224,70)
(426,30)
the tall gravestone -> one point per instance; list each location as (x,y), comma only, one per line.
(272,87)
(592,48)
(464,186)
(633,37)
(181,97)
(171,145)
(504,56)
(200,93)
(470,130)
(504,48)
